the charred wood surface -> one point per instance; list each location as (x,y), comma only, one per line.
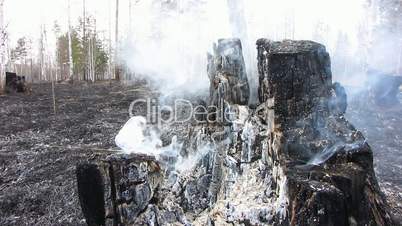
(227,73)
(325,161)
(115,191)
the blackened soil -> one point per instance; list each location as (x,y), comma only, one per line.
(39,150)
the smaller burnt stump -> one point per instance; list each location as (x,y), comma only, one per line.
(115,191)
(15,83)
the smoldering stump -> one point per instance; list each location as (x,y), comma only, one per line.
(342,188)
(292,160)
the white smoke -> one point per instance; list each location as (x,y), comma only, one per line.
(170,38)
(170,41)
(138,137)
(185,164)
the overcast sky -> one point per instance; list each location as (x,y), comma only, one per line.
(24,17)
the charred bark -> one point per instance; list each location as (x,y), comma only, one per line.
(325,161)
(116,190)
(227,73)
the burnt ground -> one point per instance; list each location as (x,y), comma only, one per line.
(39,149)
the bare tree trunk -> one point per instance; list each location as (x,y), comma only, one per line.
(399,42)
(130,17)
(2,50)
(31,70)
(116,70)
(90,59)
(41,75)
(93,53)
(46,56)
(399,66)
(127,71)
(70,46)
(110,67)
(53,91)
(89,66)
(85,43)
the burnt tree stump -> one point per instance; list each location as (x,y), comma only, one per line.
(116,190)
(321,162)
(15,83)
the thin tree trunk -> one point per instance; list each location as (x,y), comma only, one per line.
(116,70)
(130,17)
(70,46)
(46,56)
(41,75)
(399,66)
(130,36)
(84,41)
(53,92)
(93,56)
(31,70)
(2,50)
(110,68)
(90,59)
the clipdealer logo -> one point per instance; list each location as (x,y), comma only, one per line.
(182,111)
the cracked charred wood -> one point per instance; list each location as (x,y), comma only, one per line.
(227,73)
(296,74)
(323,165)
(116,190)
(229,87)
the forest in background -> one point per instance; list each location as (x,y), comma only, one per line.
(85,53)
